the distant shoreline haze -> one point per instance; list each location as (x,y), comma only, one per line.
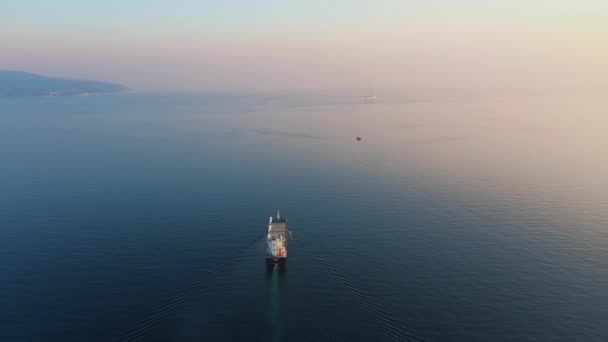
(24,84)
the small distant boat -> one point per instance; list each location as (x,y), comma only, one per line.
(371,96)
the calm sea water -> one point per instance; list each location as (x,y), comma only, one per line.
(459,216)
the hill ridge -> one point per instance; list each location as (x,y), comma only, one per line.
(17,83)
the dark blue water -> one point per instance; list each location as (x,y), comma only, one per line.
(464,217)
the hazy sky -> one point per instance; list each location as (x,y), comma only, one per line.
(282,44)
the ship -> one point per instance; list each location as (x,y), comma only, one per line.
(276,240)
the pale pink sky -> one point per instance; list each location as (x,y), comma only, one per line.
(393,44)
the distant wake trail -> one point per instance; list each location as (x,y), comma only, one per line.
(297,135)
(149,323)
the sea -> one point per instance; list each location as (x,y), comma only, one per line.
(460,215)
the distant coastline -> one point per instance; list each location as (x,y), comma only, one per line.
(24,84)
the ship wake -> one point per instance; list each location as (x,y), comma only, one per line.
(386,325)
(155,318)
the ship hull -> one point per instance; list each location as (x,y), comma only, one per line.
(276,241)
(276,261)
